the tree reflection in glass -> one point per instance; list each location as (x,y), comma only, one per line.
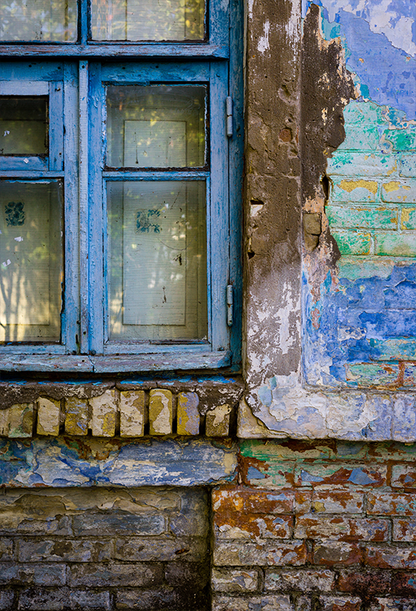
(38,20)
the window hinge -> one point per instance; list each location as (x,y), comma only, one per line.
(229,113)
(230,305)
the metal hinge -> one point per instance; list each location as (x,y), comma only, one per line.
(229,113)
(230,305)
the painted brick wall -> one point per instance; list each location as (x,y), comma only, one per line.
(328,526)
(104,549)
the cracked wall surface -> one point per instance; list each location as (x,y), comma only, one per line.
(357,192)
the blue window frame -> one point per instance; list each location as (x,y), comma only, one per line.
(120,191)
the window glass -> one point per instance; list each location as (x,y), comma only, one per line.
(23,125)
(156,126)
(148,20)
(157,260)
(38,20)
(30,260)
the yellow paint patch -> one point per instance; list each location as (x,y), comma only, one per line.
(394,185)
(406,212)
(350,185)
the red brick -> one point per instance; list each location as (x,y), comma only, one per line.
(404,530)
(340,603)
(249,500)
(332,553)
(341,528)
(391,557)
(391,503)
(365,583)
(241,526)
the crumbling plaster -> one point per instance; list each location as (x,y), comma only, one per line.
(284,398)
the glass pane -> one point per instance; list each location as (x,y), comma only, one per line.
(148,20)
(30,261)
(23,125)
(156,126)
(38,20)
(157,260)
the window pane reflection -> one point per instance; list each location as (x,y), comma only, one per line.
(157,262)
(154,20)
(23,125)
(30,261)
(38,20)
(156,126)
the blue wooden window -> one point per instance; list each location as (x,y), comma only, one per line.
(120,185)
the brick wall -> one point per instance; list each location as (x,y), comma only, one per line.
(104,549)
(317,526)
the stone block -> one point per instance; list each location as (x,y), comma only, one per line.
(354,190)
(144,600)
(77,416)
(103,414)
(365,164)
(118,523)
(115,574)
(404,530)
(234,580)
(49,413)
(61,599)
(6,549)
(352,242)
(403,476)
(362,217)
(132,413)
(340,603)
(6,600)
(160,412)
(246,500)
(341,528)
(393,604)
(260,553)
(391,503)
(191,574)
(188,414)
(4,422)
(341,474)
(337,501)
(43,574)
(399,190)
(364,583)
(193,524)
(391,557)
(160,549)
(395,244)
(21,418)
(408,217)
(261,602)
(299,579)
(404,418)
(243,526)
(333,553)
(64,550)
(408,165)
(217,421)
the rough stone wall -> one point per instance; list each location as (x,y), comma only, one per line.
(104,549)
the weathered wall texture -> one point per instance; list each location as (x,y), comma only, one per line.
(104,549)
(357,136)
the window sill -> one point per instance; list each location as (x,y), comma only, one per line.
(114,364)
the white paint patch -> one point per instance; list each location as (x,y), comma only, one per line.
(250,8)
(19,239)
(263,44)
